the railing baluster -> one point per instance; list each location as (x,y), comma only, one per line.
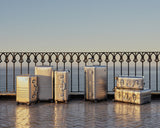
(107,60)
(157,60)
(78,77)
(21,61)
(6,61)
(149,60)
(71,61)
(142,69)
(114,61)
(121,61)
(128,61)
(78,61)
(14,61)
(157,76)
(149,75)
(135,61)
(71,77)
(6,77)
(28,60)
(14,77)
(49,58)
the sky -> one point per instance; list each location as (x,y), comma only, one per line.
(79,25)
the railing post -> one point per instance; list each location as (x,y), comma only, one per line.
(14,61)
(78,61)
(114,61)
(35,58)
(135,60)
(142,61)
(21,61)
(157,60)
(50,58)
(0,62)
(121,60)
(28,60)
(107,61)
(149,60)
(128,60)
(71,61)
(6,61)
(64,60)
(42,58)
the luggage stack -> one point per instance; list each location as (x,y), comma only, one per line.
(95,83)
(45,76)
(131,89)
(61,86)
(26,89)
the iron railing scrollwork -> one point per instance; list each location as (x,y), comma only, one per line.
(144,60)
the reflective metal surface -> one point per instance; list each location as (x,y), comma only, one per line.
(45,82)
(130,82)
(95,82)
(133,96)
(61,86)
(79,114)
(27,89)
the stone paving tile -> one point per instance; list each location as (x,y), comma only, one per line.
(79,114)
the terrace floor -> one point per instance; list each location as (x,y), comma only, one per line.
(79,114)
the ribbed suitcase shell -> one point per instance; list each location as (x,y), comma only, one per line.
(26,89)
(95,82)
(45,82)
(129,82)
(61,86)
(133,96)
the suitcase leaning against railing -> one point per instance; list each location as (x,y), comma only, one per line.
(45,76)
(61,86)
(95,83)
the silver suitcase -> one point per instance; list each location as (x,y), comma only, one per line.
(45,82)
(61,86)
(26,89)
(95,83)
(129,82)
(133,96)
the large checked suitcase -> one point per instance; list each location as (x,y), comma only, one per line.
(95,83)
(45,82)
(133,96)
(26,89)
(61,86)
(130,82)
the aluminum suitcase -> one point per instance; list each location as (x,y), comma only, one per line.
(129,82)
(45,82)
(61,86)
(133,96)
(26,89)
(95,83)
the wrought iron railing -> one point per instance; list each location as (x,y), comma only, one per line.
(117,63)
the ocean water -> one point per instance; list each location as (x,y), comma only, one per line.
(74,87)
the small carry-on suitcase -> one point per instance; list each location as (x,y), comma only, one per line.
(26,89)
(61,86)
(45,82)
(133,96)
(95,83)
